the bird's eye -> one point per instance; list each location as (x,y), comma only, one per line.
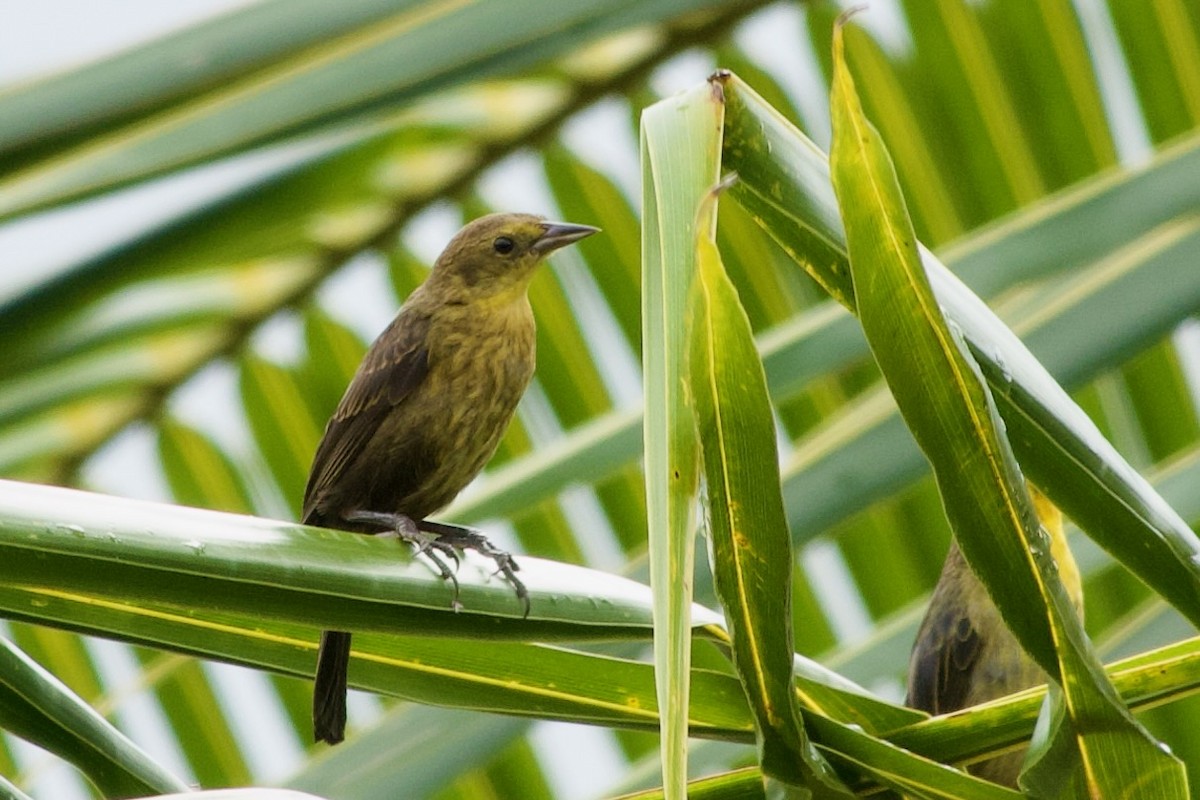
(503,245)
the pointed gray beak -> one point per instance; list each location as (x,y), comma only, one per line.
(561,234)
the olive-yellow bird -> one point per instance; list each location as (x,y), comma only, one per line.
(964,652)
(427,408)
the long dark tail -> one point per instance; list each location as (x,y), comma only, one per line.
(329,688)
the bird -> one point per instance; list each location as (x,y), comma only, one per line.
(426,410)
(964,653)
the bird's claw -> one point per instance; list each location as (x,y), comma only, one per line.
(436,540)
(429,544)
(470,539)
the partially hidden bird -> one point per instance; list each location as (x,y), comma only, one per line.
(964,653)
(426,410)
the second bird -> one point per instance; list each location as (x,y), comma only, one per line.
(427,407)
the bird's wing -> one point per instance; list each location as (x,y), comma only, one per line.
(390,371)
(940,674)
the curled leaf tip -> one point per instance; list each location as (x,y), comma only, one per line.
(845,16)
(706,219)
(729,180)
(716,85)
(708,204)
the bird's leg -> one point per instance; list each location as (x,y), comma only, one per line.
(426,542)
(470,539)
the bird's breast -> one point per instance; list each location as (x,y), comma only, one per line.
(484,354)
(479,367)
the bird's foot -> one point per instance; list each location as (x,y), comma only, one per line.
(427,543)
(463,538)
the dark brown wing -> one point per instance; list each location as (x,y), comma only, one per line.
(943,664)
(395,365)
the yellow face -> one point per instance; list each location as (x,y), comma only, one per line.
(496,254)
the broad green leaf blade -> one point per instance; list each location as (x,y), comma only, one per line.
(825,692)
(751,547)
(37,707)
(900,770)
(901,98)
(890,766)
(947,406)
(66,540)
(680,150)
(534,680)
(771,291)
(545,682)
(1055,765)
(1057,443)
(1117,207)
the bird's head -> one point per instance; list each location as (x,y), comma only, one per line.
(495,256)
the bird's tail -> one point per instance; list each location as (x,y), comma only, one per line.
(329,688)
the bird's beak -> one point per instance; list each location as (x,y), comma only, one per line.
(561,234)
